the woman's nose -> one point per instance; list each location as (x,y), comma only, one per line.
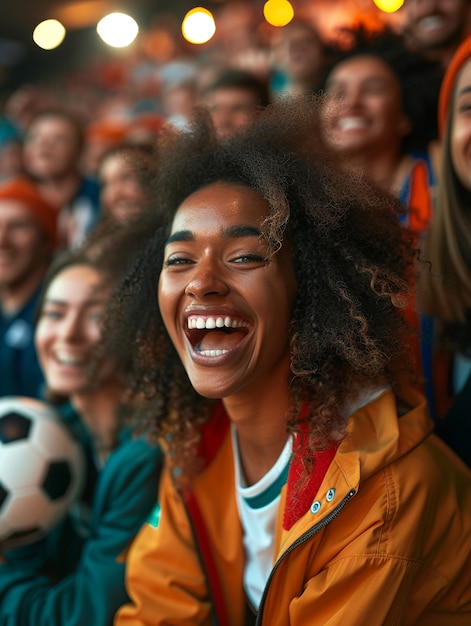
(352,97)
(207,279)
(70,327)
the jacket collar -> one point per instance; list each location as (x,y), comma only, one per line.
(378,433)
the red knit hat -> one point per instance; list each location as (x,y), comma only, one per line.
(25,191)
(462,54)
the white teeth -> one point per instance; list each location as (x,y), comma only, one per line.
(211,323)
(70,360)
(430,22)
(213,352)
(352,123)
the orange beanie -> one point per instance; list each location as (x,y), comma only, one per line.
(25,191)
(110,131)
(462,54)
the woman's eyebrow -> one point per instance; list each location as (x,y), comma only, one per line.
(231,232)
(234,232)
(93,300)
(465,90)
(181,235)
(54,301)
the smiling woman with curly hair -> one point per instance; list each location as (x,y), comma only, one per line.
(264,322)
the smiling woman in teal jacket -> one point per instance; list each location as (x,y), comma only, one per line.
(75,575)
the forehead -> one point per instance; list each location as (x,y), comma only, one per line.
(54,125)
(76,284)
(300,33)
(220,204)
(464,77)
(12,210)
(362,67)
(232,94)
(115,162)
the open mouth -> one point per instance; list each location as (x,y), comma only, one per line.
(71,360)
(352,123)
(215,335)
(431,22)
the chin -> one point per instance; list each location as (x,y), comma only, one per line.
(210,394)
(65,389)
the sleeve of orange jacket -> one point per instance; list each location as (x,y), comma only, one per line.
(164,576)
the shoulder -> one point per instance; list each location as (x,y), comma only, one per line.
(133,452)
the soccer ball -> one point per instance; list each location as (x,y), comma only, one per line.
(42,470)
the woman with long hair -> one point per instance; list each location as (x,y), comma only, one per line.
(446,282)
(264,323)
(75,575)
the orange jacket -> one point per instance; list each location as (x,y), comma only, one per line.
(386,540)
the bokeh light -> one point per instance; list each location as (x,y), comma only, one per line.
(278,12)
(389,6)
(49,34)
(198,25)
(118,29)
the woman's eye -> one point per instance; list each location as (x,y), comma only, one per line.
(250,258)
(176,260)
(51,314)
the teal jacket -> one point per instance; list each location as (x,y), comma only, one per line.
(71,580)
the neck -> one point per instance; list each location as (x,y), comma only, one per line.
(13,297)
(60,190)
(260,422)
(386,171)
(442,55)
(98,409)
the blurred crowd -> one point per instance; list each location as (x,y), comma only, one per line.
(77,164)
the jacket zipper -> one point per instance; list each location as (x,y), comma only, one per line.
(307,535)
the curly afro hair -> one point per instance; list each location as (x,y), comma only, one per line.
(353,264)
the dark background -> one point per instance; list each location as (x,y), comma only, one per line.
(22,61)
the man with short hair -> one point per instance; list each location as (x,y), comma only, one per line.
(27,241)
(233,98)
(435,28)
(52,156)
(299,61)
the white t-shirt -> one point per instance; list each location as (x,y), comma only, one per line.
(258,509)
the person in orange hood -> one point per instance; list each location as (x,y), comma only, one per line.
(28,228)
(446,287)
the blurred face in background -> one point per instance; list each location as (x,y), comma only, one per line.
(231,109)
(69,328)
(460,139)
(363,110)
(122,195)
(299,52)
(23,246)
(52,148)
(435,23)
